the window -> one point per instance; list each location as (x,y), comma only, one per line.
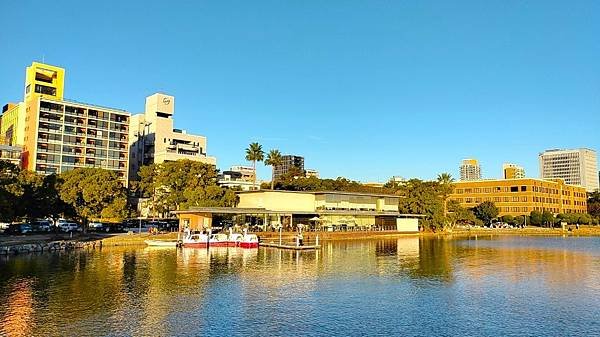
(523,188)
(42,89)
(514,188)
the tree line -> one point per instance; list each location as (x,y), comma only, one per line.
(94,193)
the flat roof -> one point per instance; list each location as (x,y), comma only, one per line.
(240,210)
(325,192)
(84,105)
(543,180)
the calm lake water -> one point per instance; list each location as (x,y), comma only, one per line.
(500,286)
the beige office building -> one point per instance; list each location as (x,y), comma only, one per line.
(153,139)
(576,167)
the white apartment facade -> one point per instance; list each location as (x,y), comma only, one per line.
(153,139)
(574,166)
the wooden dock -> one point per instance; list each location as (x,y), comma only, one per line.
(292,247)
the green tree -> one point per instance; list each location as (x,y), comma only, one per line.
(167,183)
(40,197)
(509,219)
(536,218)
(254,153)
(547,218)
(459,215)
(93,193)
(181,184)
(486,211)
(422,197)
(593,204)
(10,191)
(210,196)
(520,220)
(584,219)
(273,159)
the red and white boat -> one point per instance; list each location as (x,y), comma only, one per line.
(220,240)
(249,241)
(195,241)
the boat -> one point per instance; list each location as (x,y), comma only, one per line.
(235,239)
(161,243)
(249,241)
(203,240)
(195,241)
(219,240)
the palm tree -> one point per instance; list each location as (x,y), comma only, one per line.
(446,183)
(255,153)
(273,159)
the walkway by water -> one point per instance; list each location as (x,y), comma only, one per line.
(413,286)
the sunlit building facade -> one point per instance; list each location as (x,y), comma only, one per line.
(575,167)
(59,135)
(522,196)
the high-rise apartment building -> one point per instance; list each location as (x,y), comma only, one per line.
(288,162)
(513,171)
(574,166)
(153,139)
(59,135)
(470,170)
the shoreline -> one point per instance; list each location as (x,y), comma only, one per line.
(10,245)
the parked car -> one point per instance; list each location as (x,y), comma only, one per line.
(41,226)
(107,227)
(19,228)
(69,227)
(4,226)
(95,226)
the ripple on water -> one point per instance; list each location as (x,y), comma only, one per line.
(499,286)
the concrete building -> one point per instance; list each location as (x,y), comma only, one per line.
(470,170)
(11,154)
(288,162)
(575,167)
(153,139)
(522,196)
(326,211)
(12,121)
(311,173)
(235,179)
(246,172)
(513,171)
(59,135)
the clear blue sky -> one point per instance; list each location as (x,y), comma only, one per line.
(362,89)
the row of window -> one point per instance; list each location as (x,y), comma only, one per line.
(513,189)
(518,199)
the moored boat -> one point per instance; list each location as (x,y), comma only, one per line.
(195,241)
(249,241)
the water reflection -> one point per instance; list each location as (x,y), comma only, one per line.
(220,291)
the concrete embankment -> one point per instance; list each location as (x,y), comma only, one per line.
(49,243)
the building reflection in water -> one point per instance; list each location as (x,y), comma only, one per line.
(18,319)
(158,291)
